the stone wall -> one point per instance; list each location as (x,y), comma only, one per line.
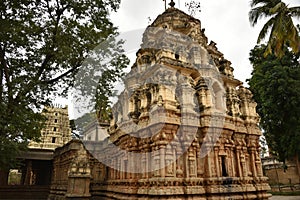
(289,176)
(71,174)
(276,173)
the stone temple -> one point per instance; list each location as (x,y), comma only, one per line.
(183,128)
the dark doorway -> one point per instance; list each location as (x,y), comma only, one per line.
(223,162)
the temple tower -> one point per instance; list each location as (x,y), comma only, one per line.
(57,131)
(184,127)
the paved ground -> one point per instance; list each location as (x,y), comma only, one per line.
(285,198)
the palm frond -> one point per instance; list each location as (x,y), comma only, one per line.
(278,35)
(277,8)
(264,31)
(268,50)
(257,13)
(265,2)
(278,47)
(280,25)
(295,11)
(292,35)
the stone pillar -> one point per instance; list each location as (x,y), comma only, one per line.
(243,163)
(217,161)
(144,165)
(232,163)
(130,166)
(28,176)
(258,165)
(179,162)
(239,170)
(156,162)
(199,161)
(162,152)
(192,163)
(209,165)
(148,162)
(125,173)
(170,162)
(112,170)
(253,164)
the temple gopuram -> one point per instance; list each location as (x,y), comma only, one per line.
(57,131)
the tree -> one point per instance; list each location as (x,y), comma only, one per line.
(280,25)
(81,122)
(43,44)
(275,84)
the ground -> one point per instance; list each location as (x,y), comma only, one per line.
(285,198)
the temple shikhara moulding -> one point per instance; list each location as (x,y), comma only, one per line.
(183,128)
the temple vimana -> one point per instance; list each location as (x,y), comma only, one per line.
(183,128)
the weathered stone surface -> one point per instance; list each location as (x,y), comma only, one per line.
(281,174)
(57,131)
(183,128)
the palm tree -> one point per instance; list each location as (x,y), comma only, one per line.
(280,25)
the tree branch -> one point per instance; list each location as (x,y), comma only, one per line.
(4,65)
(48,57)
(66,73)
(49,10)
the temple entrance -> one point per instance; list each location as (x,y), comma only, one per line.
(32,179)
(36,172)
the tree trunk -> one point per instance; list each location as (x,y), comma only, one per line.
(4,177)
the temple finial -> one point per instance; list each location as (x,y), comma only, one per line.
(172,3)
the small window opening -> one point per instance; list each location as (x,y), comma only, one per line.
(223,162)
(55,120)
(176,56)
(54,128)
(53,140)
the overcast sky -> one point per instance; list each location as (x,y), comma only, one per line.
(225,22)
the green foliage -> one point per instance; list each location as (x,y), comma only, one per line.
(43,44)
(95,81)
(279,25)
(81,122)
(275,84)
